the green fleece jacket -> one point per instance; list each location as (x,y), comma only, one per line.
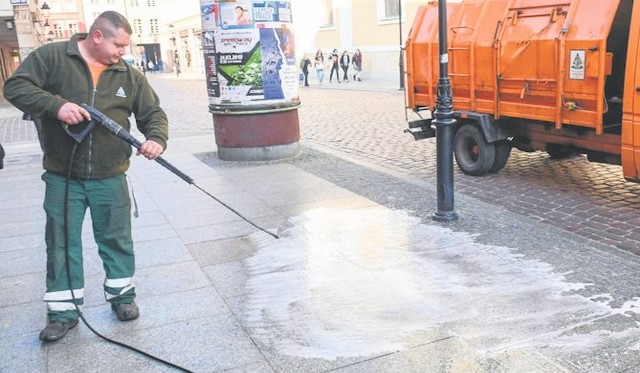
(55,74)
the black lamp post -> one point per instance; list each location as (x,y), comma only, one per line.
(444,123)
(401,60)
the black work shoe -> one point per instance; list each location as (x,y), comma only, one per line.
(126,311)
(56,330)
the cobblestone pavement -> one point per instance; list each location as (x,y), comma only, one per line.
(592,200)
(366,124)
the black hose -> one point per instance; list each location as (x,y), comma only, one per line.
(124,135)
(73,297)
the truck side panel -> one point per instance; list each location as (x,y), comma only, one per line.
(543,60)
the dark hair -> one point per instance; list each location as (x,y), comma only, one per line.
(109,22)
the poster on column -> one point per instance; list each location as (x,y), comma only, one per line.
(252,52)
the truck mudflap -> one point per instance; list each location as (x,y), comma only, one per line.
(491,131)
(423,129)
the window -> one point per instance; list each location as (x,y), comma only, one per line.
(73,28)
(137,26)
(57,31)
(154,26)
(135,3)
(391,9)
(70,6)
(151,3)
(327,13)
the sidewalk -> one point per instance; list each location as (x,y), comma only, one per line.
(360,280)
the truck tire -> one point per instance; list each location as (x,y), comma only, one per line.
(474,155)
(503,151)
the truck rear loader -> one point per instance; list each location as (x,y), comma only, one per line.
(536,75)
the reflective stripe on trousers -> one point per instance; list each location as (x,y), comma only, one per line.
(110,207)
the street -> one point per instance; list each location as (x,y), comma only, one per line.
(589,199)
(360,279)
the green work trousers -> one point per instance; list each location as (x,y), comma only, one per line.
(110,208)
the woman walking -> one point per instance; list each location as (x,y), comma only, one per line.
(357,65)
(318,64)
(334,65)
(344,64)
(304,65)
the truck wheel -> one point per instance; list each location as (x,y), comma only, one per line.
(474,155)
(503,151)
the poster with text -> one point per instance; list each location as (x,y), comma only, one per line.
(210,13)
(252,56)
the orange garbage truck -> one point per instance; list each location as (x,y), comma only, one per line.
(561,76)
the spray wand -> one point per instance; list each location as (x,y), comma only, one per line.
(117,130)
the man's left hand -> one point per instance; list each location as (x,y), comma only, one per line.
(150,149)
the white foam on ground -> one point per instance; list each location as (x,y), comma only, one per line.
(361,282)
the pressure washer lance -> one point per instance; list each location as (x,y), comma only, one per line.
(121,133)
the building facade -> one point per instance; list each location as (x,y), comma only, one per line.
(63,18)
(378,28)
(168,33)
(9,44)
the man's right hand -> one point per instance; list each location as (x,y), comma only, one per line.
(71,114)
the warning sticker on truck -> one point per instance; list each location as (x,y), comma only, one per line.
(577,64)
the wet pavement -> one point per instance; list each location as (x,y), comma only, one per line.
(361,279)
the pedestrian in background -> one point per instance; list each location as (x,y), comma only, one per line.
(334,60)
(304,66)
(318,64)
(49,84)
(345,62)
(356,60)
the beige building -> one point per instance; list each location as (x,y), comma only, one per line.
(27,24)
(9,45)
(169,32)
(376,27)
(63,18)
(181,33)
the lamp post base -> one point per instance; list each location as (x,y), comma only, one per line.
(444,216)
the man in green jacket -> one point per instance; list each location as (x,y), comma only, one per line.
(50,84)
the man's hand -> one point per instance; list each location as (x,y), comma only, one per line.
(150,149)
(71,114)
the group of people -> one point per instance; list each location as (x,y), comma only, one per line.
(335,62)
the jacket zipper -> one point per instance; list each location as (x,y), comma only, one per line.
(92,103)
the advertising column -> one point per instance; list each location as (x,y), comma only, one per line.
(252,78)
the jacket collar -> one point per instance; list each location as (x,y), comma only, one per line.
(74,50)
